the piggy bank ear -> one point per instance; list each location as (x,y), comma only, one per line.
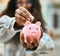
(38,23)
(27,23)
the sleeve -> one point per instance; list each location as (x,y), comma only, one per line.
(47,41)
(42,43)
(46,44)
(6,28)
(50,43)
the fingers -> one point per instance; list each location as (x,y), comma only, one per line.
(29,44)
(22,15)
(22,40)
(41,32)
(27,13)
(36,42)
(19,19)
(41,29)
(32,44)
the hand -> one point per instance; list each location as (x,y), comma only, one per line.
(29,44)
(22,15)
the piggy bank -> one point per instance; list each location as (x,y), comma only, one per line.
(31,30)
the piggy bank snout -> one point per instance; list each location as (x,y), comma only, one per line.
(33,31)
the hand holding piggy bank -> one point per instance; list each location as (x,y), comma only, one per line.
(30,34)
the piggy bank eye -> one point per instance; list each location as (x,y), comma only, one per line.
(29,27)
(36,28)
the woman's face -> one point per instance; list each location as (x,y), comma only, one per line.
(24,3)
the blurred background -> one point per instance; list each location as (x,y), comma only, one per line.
(51,14)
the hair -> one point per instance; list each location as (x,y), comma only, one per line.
(35,11)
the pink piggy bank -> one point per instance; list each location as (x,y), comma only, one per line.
(31,30)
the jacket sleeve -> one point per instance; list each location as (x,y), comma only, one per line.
(6,28)
(47,41)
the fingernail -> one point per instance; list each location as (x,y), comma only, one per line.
(32,18)
(28,19)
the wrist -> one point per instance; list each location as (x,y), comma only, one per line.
(16,26)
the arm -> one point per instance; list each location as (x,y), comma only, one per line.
(47,41)
(46,44)
(6,28)
(8,25)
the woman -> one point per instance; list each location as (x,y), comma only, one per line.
(26,8)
